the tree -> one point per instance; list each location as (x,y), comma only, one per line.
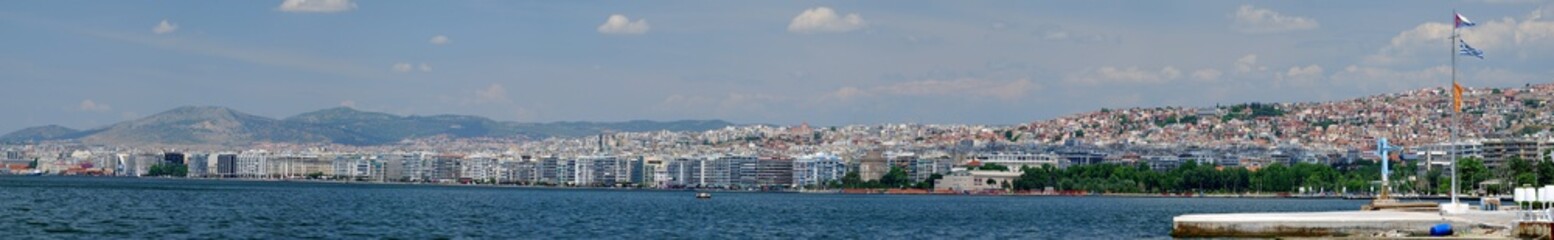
(1520,171)
(852,180)
(1546,169)
(167,169)
(895,178)
(929,183)
(993,167)
(1471,172)
(315,175)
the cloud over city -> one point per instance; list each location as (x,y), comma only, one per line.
(621,25)
(317,6)
(825,20)
(1249,19)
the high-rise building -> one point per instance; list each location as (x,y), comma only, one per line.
(481,167)
(226,165)
(818,169)
(639,172)
(173,158)
(252,163)
(196,163)
(446,167)
(393,166)
(872,166)
(774,172)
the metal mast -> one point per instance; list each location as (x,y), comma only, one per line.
(1451,122)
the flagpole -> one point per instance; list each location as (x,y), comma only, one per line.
(1451,123)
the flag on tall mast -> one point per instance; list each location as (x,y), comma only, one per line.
(1456,97)
(1463,21)
(1469,50)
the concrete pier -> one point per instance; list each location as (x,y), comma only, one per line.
(1337,224)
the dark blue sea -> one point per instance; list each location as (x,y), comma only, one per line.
(130,208)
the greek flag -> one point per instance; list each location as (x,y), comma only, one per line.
(1463,21)
(1466,50)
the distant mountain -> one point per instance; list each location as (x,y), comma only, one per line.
(379,128)
(205,125)
(573,129)
(223,126)
(41,133)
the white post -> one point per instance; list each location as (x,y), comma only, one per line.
(1452,89)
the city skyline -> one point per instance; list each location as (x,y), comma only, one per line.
(826,63)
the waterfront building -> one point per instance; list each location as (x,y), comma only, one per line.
(293,165)
(1498,151)
(640,171)
(658,168)
(226,165)
(872,166)
(523,171)
(14,155)
(687,172)
(197,164)
(355,166)
(774,172)
(731,171)
(923,168)
(143,163)
(1018,160)
(553,170)
(417,166)
(446,168)
(1162,162)
(173,158)
(961,180)
(818,169)
(393,165)
(481,167)
(1080,156)
(604,170)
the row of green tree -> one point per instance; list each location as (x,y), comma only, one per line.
(1191,177)
(168,169)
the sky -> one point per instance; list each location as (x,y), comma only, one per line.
(87,64)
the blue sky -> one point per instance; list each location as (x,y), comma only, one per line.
(87,64)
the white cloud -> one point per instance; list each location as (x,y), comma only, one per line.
(731,104)
(278,57)
(1511,1)
(348,103)
(964,87)
(1248,19)
(440,40)
(403,67)
(1207,74)
(1507,38)
(823,19)
(164,27)
(1246,63)
(1129,75)
(494,93)
(1302,76)
(1376,78)
(621,25)
(317,6)
(92,106)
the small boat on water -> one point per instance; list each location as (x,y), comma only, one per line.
(703,195)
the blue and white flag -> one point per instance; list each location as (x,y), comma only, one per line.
(1466,50)
(1463,21)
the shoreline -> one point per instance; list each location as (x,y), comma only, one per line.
(848,191)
